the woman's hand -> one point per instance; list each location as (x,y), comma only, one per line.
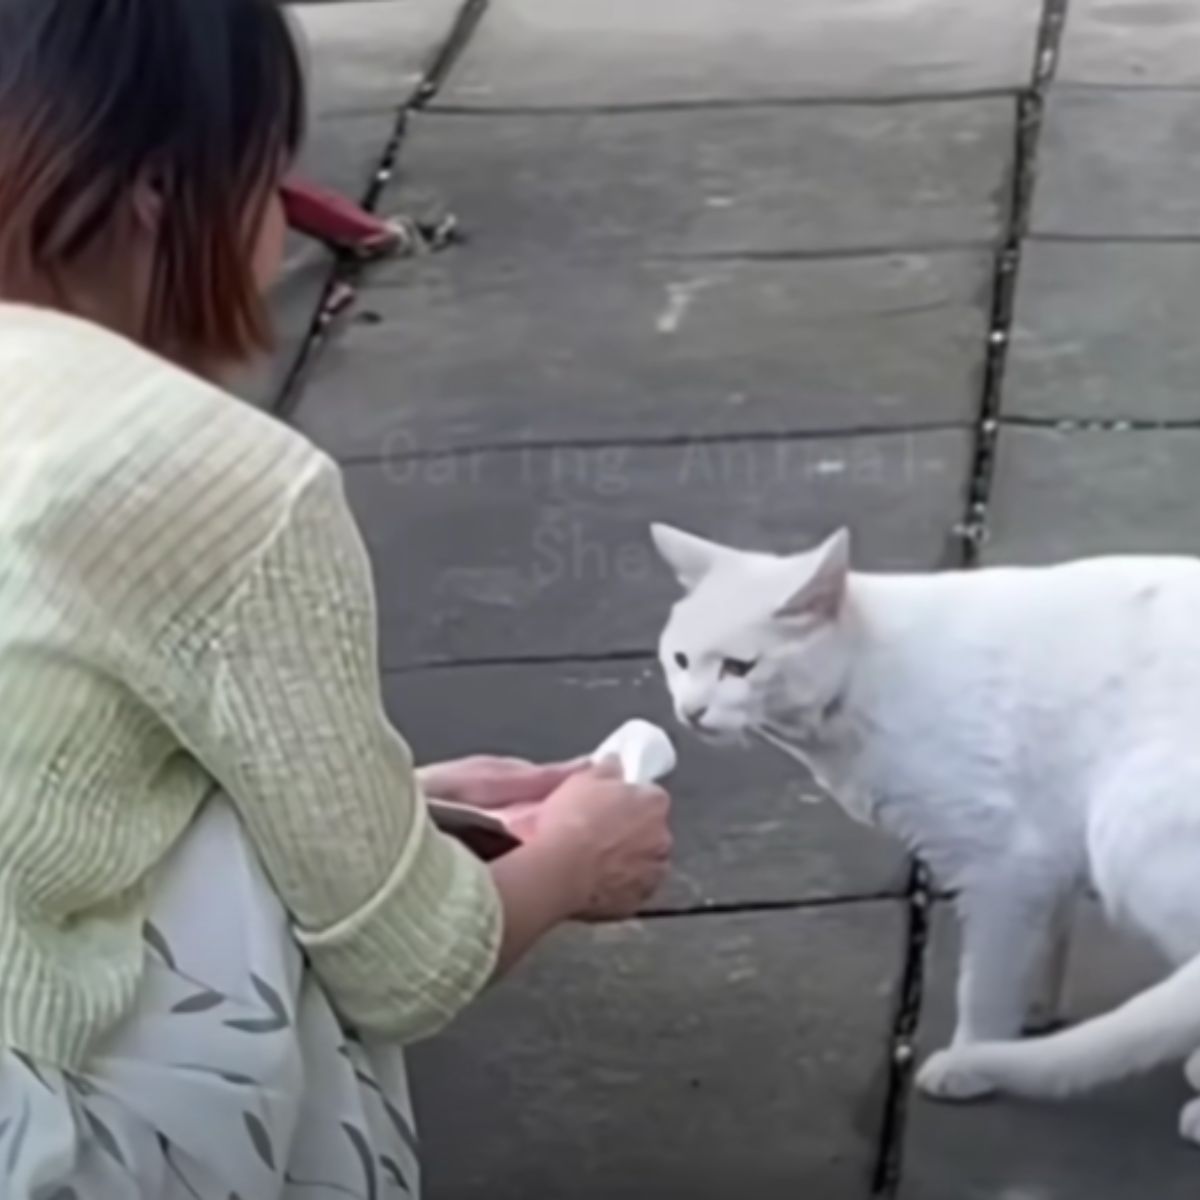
(616,837)
(597,848)
(488,781)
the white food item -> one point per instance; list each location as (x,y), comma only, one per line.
(644,750)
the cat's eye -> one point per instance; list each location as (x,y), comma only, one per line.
(739,668)
(681,660)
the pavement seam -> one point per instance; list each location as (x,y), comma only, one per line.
(1150,88)
(579,658)
(1073,424)
(815,100)
(601,256)
(1066,238)
(725,908)
(972,530)
(885,1181)
(469,17)
(840,253)
(1030,110)
(731,438)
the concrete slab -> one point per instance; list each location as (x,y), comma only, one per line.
(371,56)
(1152,43)
(545,552)
(1106,332)
(1119,1142)
(744,831)
(546,54)
(1119,164)
(342,153)
(468,352)
(345,152)
(1060,495)
(715,181)
(294,300)
(703,1058)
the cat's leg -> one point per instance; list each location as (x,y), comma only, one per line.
(1192,1070)
(1046,1008)
(1143,846)
(1189,1122)
(1006,924)
(1006,937)
(1189,1119)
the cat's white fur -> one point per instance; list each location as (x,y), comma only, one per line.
(1027,732)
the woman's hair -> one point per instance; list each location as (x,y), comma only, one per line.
(202,100)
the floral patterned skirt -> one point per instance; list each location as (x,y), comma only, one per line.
(232,1080)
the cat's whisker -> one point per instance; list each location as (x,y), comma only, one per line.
(776,740)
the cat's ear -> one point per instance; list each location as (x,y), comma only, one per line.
(822,589)
(689,556)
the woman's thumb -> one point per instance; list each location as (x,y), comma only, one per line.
(608,768)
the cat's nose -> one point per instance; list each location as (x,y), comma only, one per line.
(694,716)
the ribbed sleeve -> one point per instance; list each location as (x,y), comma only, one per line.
(185,601)
(401,923)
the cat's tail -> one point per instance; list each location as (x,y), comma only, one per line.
(1157,1026)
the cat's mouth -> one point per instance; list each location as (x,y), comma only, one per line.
(779,739)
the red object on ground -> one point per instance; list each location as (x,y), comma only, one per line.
(331,218)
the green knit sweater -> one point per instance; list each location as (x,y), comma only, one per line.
(186,605)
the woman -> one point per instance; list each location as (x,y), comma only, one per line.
(214,856)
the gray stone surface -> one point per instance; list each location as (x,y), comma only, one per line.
(463,351)
(742,272)
(706,1058)
(1119,164)
(1120,1142)
(294,300)
(744,832)
(547,53)
(371,55)
(1106,331)
(546,552)
(1132,42)
(764,180)
(1060,495)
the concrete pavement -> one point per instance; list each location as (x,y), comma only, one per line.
(757,267)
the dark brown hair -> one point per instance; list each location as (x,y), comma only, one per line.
(202,98)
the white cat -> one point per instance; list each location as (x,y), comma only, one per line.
(1026,732)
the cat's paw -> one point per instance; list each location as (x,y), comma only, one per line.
(1189,1123)
(948,1075)
(1191,1070)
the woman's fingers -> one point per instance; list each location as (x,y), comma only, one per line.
(492,781)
